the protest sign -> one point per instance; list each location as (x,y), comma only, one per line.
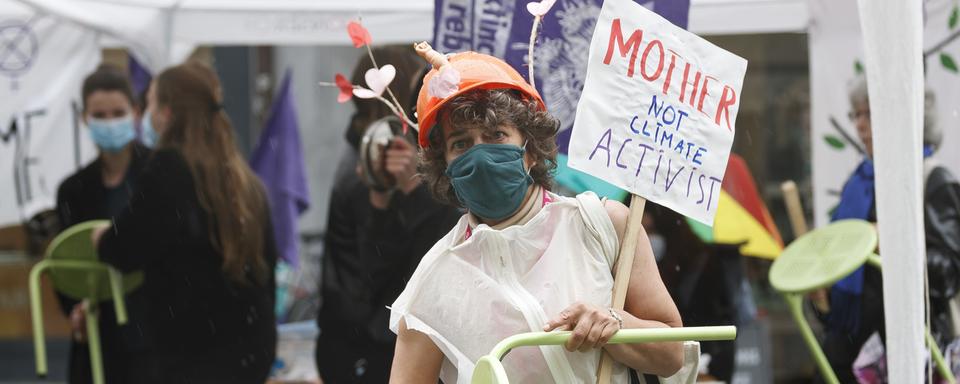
(658,110)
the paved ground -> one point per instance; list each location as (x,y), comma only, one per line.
(17,361)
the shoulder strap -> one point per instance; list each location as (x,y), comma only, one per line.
(598,222)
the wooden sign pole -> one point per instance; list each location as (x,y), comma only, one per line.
(794,209)
(621,279)
(799,224)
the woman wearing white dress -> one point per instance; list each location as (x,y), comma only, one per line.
(521,259)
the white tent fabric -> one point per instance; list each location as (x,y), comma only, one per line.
(729,17)
(894,58)
(43,61)
(143,29)
(163,32)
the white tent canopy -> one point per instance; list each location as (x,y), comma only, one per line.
(163,32)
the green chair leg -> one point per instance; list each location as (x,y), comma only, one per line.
(795,302)
(116,288)
(938,359)
(36,312)
(942,366)
(91,311)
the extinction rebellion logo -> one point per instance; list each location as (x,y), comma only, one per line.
(18,50)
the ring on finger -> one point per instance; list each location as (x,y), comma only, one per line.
(616,316)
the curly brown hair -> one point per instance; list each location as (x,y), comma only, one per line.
(490,109)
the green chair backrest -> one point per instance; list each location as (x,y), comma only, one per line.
(489,369)
(823,256)
(75,244)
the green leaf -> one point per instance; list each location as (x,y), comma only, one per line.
(858,67)
(948,63)
(954,15)
(834,142)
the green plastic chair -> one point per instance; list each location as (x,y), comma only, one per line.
(489,369)
(817,260)
(71,262)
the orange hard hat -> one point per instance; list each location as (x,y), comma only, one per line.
(477,71)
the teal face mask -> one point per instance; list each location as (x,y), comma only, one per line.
(490,179)
(113,134)
(148,135)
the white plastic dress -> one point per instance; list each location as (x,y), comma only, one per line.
(470,292)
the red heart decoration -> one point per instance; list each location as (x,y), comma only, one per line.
(358,34)
(346,89)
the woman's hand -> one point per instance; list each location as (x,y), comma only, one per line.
(401,163)
(78,322)
(592,326)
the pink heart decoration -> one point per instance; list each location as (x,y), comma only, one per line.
(540,8)
(377,81)
(358,34)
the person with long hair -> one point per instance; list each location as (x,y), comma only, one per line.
(100,191)
(198,227)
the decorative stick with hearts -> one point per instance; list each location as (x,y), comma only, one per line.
(348,90)
(378,78)
(538,9)
(361,38)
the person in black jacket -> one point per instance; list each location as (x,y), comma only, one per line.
(198,227)
(374,240)
(99,191)
(855,309)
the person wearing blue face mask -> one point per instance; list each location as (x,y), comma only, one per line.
(522,259)
(100,191)
(148,134)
